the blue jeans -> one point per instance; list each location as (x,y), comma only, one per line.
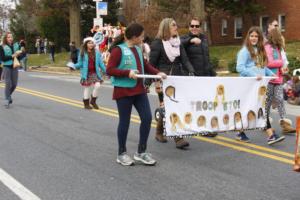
(141,103)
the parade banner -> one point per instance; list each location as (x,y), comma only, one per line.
(213,104)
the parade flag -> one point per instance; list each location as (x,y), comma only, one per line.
(195,105)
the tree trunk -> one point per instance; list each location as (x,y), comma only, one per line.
(197,8)
(74,12)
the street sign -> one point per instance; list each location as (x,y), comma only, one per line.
(98,21)
(101,8)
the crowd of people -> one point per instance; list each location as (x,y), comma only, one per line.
(123,53)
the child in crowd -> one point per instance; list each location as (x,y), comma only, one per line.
(90,63)
(251,62)
(274,49)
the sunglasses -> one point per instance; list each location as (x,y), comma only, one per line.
(195,26)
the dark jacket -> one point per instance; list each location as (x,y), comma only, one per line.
(74,52)
(198,55)
(159,59)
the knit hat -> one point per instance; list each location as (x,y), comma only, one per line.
(87,39)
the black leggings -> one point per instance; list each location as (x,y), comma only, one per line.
(141,103)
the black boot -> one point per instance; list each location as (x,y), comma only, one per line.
(93,102)
(86,103)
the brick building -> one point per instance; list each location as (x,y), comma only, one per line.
(226,29)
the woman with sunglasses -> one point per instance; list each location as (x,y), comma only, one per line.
(168,55)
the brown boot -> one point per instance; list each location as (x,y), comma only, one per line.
(181,143)
(286,125)
(159,132)
(86,103)
(93,102)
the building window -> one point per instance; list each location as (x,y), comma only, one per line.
(264,23)
(281,21)
(224,27)
(238,28)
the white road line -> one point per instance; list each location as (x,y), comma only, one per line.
(16,187)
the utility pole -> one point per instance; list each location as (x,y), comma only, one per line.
(74,12)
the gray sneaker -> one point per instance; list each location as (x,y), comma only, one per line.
(145,158)
(125,159)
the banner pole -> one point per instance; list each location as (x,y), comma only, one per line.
(297,149)
(148,76)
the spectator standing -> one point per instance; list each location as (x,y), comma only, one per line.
(252,62)
(45,45)
(52,51)
(23,56)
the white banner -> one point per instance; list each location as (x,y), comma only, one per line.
(213,104)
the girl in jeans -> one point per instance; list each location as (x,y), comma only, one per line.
(126,60)
(252,62)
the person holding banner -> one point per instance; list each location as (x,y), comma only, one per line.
(90,62)
(196,46)
(252,62)
(125,63)
(8,52)
(274,48)
(168,55)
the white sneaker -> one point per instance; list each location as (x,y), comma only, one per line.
(125,160)
(145,158)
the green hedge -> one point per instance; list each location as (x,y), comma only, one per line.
(294,63)
(232,66)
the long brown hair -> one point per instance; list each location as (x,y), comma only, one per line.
(85,50)
(275,38)
(260,56)
(4,40)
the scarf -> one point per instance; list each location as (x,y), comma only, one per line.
(172,48)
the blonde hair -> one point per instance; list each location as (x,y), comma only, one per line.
(164,29)
(223,95)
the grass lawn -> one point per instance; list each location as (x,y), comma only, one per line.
(61,60)
(228,53)
(224,53)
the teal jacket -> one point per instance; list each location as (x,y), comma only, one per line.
(128,62)
(7,58)
(83,65)
(246,66)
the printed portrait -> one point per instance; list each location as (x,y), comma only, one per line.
(226,121)
(175,122)
(251,117)
(260,114)
(170,92)
(262,91)
(201,121)
(220,95)
(214,124)
(188,119)
(238,123)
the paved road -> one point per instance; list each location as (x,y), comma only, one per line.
(52,149)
